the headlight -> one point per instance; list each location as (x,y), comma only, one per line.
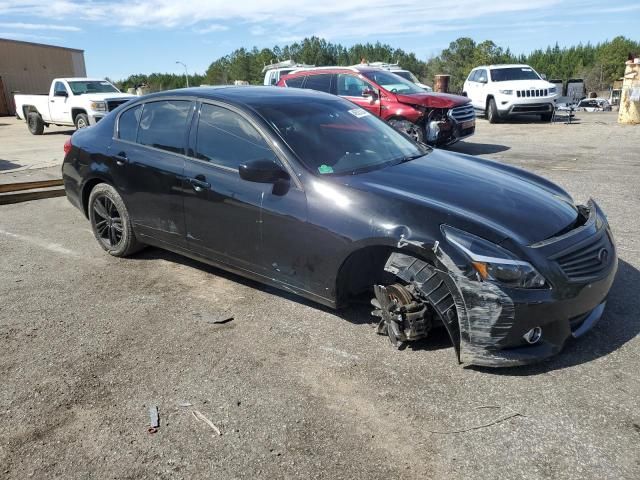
(493,262)
(506,92)
(552,91)
(99,106)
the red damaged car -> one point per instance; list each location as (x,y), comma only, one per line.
(435,118)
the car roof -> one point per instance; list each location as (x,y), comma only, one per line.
(243,95)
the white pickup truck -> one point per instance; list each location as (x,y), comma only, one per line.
(78,102)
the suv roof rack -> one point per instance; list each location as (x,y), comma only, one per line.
(285,64)
(383,65)
(301,68)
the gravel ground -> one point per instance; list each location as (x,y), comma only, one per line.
(88,342)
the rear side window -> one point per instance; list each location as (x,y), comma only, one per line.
(128,124)
(163,125)
(227,139)
(295,82)
(321,83)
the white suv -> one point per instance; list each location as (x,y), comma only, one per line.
(504,90)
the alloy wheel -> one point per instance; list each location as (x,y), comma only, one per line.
(108,221)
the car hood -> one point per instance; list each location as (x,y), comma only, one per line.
(478,195)
(432,99)
(101,97)
(524,85)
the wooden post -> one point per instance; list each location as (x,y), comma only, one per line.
(441,84)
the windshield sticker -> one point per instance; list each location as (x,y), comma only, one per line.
(526,70)
(359,112)
(105,83)
(325,169)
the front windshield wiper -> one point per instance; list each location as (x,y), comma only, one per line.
(408,158)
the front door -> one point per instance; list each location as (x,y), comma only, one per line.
(59,104)
(352,88)
(148,158)
(231,220)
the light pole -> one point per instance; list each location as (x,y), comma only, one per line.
(186,74)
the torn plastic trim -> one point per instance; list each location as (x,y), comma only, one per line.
(483,315)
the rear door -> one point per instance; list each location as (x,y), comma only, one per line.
(352,87)
(323,82)
(148,155)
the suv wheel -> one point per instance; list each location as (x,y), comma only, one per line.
(111,223)
(415,131)
(492,111)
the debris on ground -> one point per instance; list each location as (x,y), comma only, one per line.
(154,418)
(483,425)
(185,404)
(201,418)
(215,317)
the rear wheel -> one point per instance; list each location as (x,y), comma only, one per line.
(35,123)
(492,111)
(111,223)
(81,121)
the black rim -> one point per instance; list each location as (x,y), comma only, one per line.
(108,221)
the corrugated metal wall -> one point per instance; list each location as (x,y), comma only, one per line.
(30,67)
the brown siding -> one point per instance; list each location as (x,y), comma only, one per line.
(30,67)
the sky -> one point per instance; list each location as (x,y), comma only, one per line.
(146,36)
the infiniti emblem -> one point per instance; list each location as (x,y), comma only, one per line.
(603,255)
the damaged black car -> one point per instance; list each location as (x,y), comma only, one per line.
(309,193)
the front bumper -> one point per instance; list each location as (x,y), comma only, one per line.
(95,117)
(579,265)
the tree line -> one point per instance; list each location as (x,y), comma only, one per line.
(599,65)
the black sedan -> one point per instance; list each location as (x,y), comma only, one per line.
(307,192)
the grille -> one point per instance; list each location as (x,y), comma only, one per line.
(463,113)
(587,260)
(532,108)
(113,104)
(533,93)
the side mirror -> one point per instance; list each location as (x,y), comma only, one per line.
(368,92)
(544,76)
(262,171)
(60,94)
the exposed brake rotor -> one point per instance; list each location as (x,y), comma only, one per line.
(402,316)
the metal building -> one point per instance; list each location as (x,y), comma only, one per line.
(29,68)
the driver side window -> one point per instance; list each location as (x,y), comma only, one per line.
(350,86)
(59,88)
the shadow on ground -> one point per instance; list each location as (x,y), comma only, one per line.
(8,165)
(470,148)
(618,325)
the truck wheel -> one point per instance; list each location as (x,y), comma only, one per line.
(492,111)
(81,121)
(35,123)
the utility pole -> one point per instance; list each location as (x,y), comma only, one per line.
(186,74)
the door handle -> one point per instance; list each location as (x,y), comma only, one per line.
(199,184)
(52,101)
(121,159)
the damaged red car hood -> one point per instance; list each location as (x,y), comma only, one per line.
(433,100)
(494,197)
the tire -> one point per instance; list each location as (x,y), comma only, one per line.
(111,223)
(546,117)
(81,121)
(492,111)
(413,130)
(35,123)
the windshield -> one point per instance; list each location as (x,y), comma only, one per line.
(392,82)
(334,137)
(407,75)
(513,73)
(98,86)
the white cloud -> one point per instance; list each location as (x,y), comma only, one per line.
(39,26)
(333,19)
(29,37)
(214,27)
